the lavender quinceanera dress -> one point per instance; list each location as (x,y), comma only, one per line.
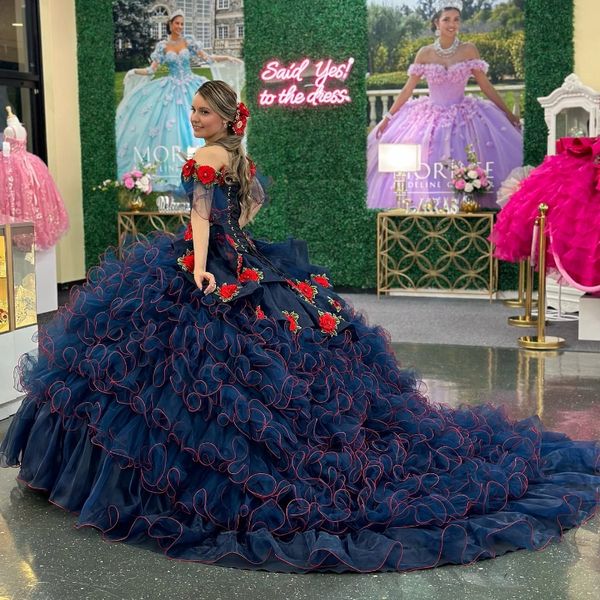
(444,123)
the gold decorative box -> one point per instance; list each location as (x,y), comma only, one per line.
(17,276)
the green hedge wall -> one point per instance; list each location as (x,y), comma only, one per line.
(549,58)
(316,157)
(95,42)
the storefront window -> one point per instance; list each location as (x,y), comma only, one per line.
(20,70)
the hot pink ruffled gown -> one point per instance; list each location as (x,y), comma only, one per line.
(569,183)
(444,123)
(28,193)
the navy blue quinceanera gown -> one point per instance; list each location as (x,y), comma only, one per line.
(268,426)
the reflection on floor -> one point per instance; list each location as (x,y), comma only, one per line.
(42,557)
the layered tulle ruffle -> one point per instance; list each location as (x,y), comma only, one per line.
(167,417)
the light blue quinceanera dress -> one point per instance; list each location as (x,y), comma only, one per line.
(153,117)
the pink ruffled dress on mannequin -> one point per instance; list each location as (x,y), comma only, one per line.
(569,184)
(27,190)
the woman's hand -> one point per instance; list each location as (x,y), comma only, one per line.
(514,120)
(382,126)
(201,276)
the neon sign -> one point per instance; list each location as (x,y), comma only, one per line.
(305,83)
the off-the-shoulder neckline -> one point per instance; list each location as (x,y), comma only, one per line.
(449,67)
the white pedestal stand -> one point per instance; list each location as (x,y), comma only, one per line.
(589,318)
(45,280)
(12,345)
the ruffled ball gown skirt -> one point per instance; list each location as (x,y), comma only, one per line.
(569,184)
(444,123)
(28,193)
(268,426)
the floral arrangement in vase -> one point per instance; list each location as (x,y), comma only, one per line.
(132,187)
(469,180)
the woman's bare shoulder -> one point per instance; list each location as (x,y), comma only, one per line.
(425,54)
(469,50)
(213,156)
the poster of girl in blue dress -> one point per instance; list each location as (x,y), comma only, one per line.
(164,51)
(446,80)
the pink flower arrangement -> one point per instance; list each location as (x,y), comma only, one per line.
(137,181)
(470,178)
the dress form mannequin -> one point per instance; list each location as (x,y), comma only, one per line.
(27,190)
(13,131)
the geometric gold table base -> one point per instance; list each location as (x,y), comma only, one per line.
(421,252)
(533,342)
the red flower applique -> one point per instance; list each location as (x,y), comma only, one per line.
(336,305)
(187,171)
(252,168)
(292,319)
(321,280)
(240,119)
(239,127)
(260,314)
(242,110)
(188,235)
(307,291)
(206,174)
(203,173)
(249,274)
(328,322)
(186,262)
(228,291)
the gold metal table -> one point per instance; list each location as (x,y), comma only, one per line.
(418,252)
(133,225)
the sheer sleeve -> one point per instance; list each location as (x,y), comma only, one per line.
(257,192)
(202,200)
(194,45)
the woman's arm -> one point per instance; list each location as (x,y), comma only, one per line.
(488,89)
(215,157)
(200,235)
(148,70)
(404,96)
(217,57)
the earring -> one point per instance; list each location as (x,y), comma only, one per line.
(437,33)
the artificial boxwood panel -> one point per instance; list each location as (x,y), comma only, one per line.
(549,58)
(315,156)
(95,43)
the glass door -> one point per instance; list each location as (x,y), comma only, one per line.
(21,70)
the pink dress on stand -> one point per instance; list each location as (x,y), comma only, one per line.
(569,183)
(28,193)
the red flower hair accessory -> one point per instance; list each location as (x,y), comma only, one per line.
(240,120)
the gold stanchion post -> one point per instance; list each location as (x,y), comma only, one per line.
(526,320)
(540,341)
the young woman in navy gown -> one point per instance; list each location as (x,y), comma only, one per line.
(212,396)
